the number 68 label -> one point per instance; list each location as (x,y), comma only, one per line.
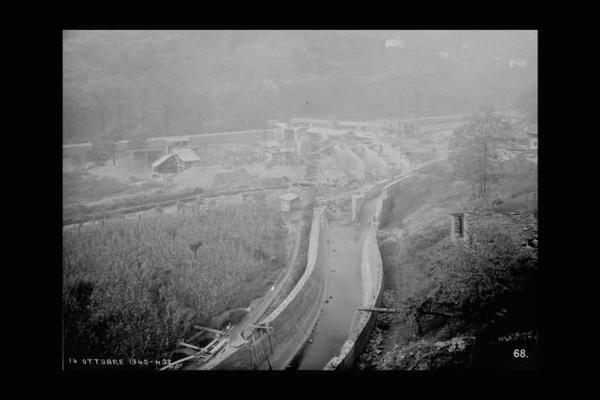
(519,353)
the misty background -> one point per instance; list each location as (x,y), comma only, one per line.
(159,83)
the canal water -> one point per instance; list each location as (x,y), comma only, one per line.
(343,295)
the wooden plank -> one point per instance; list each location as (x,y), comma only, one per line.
(266,327)
(375,309)
(181,360)
(194,336)
(189,346)
(188,352)
(219,346)
(208,329)
(202,355)
(211,345)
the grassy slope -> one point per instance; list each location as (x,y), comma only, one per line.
(441,342)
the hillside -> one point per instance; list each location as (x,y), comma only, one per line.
(153,83)
(461,305)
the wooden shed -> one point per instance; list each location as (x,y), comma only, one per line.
(175,162)
(168,164)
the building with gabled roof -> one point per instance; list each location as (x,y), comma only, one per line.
(175,162)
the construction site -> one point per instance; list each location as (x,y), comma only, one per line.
(324,162)
(346,171)
(299,200)
(317,156)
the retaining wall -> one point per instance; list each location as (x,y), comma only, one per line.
(294,319)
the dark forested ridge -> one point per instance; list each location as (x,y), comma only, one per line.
(131,83)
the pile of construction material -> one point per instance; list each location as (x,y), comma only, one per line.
(339,206)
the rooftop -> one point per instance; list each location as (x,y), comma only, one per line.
(162,160)
(187,155)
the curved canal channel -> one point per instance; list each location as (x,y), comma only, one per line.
(344,291)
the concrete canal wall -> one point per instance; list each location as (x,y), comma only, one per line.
(293,320)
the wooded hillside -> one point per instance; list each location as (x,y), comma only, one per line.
(129,83)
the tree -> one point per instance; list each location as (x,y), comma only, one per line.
(474,150)
(194,247)
(110,139)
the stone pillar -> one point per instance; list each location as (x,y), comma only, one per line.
(355,206)
(458,227)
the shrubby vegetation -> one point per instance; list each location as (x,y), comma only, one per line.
(471,282)
(465,306)
(482,293)
(133,289)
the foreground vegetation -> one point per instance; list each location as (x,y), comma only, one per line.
(133,289)
(461,306)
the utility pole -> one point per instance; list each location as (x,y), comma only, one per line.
(484,177)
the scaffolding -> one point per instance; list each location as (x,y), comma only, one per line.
(201,353)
